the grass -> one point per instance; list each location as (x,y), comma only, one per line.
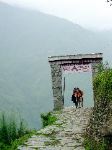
(13,132)
(91,144)
(48,119)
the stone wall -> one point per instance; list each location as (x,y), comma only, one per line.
(100,127)
(101,120)
(56,73)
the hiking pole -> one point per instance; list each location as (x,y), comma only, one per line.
(63,89)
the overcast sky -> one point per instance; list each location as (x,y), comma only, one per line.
(87,13)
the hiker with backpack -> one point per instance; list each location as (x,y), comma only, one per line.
(77,97)
(74,97)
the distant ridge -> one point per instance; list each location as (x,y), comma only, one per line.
(27,38)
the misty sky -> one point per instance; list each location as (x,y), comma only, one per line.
(87,13)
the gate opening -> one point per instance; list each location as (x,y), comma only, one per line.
(81,80)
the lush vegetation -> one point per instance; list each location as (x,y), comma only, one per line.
(48,119)
(103,84)
(91,144)
(13,132)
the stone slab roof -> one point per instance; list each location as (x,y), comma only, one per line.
(76,57)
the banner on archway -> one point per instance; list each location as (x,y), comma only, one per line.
(77,68)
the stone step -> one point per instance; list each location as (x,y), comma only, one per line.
(67,134)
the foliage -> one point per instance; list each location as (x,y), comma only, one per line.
(102,84)
(12,132)
(110,2)
(91,144)
(20,141)
(48,119)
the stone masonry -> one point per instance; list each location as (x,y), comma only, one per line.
(56,63)
(67,133)
(57,85)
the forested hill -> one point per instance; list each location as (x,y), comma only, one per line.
(27,38)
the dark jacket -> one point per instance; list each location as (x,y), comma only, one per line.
(73,99)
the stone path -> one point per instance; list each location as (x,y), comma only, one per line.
(65,134)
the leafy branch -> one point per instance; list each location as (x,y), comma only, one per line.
(110,2)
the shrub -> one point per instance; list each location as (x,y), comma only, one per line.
(10,130)
(102,85)
(48,119)
(91,144)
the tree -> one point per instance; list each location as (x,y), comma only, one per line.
(110,2)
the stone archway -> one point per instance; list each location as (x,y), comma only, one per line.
(84,62)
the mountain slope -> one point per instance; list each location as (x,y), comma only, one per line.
(27,38)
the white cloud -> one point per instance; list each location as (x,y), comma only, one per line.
(88,13)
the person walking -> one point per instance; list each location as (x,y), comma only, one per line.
(74,97)
(79,97)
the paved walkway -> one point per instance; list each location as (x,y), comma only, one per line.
(65,134)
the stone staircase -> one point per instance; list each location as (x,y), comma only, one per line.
(66,134)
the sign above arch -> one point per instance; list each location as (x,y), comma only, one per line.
(77,68)
(70,63)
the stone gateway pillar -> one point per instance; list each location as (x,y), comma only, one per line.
(56,73)
(75,63)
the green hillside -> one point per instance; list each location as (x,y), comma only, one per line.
(27,38)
